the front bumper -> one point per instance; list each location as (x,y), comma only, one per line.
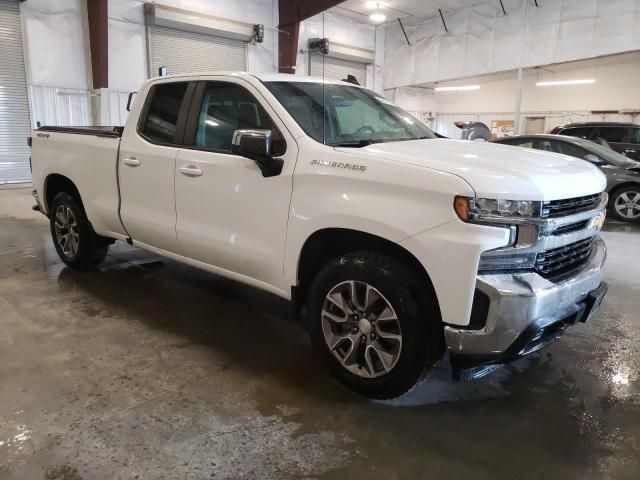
(525,313)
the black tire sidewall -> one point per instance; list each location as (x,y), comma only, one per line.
(614,197)
(84,257)
(415,355)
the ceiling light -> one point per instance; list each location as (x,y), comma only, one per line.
(373,5)
(565,82)
(377,17)
(455,89)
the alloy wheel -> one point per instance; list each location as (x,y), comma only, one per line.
(627,205)
(66,228)
(361,329)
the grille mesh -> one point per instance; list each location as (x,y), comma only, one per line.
(569,206)
(563,258)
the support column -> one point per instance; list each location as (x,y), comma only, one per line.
(291,13)
(97,16)
(516,121)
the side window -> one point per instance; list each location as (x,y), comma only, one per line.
(227,107)
(634,135)
(572,150)
(546,145)
(162,115)
(614,134)
(523,142)
(581,132)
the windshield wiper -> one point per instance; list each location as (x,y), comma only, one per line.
(355,143)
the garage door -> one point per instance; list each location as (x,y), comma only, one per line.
(186,52)
(15,125)
(336,69)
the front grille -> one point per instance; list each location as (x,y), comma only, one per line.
(572,227)
(564,258)
(569,206)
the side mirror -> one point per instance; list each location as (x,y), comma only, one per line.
(593,158)
(256,145)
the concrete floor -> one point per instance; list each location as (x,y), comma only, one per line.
(149,369)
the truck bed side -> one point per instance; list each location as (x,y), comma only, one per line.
(88,157)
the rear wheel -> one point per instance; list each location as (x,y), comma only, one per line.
(625,204)
(76,243)
(369,327)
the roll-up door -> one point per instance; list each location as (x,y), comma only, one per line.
(15,124)
(188,52)
(337,69)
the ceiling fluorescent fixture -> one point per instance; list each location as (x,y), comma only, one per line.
(553,83)
(457,89)
(377,17)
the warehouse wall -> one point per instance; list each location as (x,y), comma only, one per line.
(340,29)
(482,40)
(615,90)
(58,60)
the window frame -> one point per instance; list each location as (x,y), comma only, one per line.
(193,118)
(178,136)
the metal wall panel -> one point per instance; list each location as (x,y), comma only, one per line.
(15,125)
(187,52)
(336,69)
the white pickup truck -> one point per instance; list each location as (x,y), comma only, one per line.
(395,246)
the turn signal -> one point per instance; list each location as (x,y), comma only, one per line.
(461,206)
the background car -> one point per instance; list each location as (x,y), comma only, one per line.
(624,138)
(623,174)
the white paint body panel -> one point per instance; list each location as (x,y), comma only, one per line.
(233,221)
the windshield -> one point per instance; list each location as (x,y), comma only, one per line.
(342,115)
(606,153)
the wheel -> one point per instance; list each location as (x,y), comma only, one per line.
(625,204)
(370,324)
(73,237)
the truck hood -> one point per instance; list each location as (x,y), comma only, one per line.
(497,171)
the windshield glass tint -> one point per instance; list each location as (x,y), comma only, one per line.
(346,115)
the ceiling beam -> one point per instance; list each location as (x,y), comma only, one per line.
(99,42)
(291,13)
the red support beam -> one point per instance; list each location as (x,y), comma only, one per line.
(291,13)
(97,13)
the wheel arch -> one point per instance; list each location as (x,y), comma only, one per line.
(625,184)
(327,243)
(55,183)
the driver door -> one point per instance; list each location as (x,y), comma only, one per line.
(229,215)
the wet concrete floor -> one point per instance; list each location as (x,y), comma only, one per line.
(149,369)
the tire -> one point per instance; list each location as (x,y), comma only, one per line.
(625,204)
(73,237)
(382,366)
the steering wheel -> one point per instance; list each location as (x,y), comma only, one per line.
(364,130)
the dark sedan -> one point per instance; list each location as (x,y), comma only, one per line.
(624,138)
(623,174)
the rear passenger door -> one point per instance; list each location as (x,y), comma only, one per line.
(147,165)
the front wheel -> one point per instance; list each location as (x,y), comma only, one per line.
(74,239)
(373,327)
(625,204)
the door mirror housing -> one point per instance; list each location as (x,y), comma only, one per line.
(593,158)
(256,145)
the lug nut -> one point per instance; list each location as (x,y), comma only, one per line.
(373,336)
(363,338)
(354,329)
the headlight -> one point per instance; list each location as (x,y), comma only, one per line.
(484,209)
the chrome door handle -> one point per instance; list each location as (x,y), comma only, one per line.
(132,162)
(190,171)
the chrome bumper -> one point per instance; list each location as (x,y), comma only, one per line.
(524,305)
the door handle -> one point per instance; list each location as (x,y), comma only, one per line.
(190,171)
(132,162)
(629,150)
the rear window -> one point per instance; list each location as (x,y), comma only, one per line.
(161,121)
